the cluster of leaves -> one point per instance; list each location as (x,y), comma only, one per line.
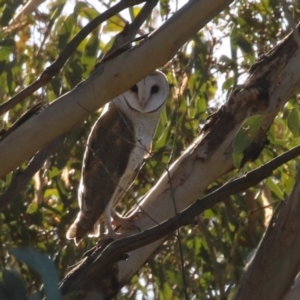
(216,248)
(12,286)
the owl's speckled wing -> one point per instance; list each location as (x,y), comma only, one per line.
(117,145)
(109,147)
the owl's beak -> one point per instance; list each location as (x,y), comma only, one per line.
(143,102)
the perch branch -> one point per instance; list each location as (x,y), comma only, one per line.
(102,259)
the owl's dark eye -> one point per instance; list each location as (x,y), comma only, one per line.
(154,89)
(134,89)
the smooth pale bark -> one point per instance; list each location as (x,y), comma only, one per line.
(270,83)
(268,88)
(277,261)
(107,82)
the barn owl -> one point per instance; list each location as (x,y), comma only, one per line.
(117,145)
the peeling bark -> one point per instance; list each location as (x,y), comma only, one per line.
(272,80)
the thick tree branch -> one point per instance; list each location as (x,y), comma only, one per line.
(107,82)
(22,177)
(36,108)
(71,47)
(271,81)
(277,258)
(98,260)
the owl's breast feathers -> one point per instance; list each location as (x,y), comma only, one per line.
(119,141)
(110,145)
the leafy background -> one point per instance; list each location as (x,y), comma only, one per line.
(218,246)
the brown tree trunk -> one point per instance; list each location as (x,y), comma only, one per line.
(276,263)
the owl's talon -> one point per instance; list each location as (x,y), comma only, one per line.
(125,223)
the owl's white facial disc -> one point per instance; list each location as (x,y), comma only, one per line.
(149,94)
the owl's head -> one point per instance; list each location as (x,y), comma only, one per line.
(149,94)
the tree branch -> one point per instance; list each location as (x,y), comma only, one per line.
(106,82)
(94,265)
(130,30)
(70,48)
(276,263)
(271,81)
(22,177)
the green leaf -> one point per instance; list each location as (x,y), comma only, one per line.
(266,2)
(134,11)
(65,30)
(233,41)
(166,292)
(114,24)
(12,287)
(244,137)
(293,122)
(32,208)
(51,193)
(89,55)
(275,188)
(244,43)
(228,84)
(42,265)
(90,13)
(54,171)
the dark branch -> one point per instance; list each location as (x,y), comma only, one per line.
(99,260)
(36,108)
(71,47)
(21,178)
(277,255)
(130,30)
(123,41)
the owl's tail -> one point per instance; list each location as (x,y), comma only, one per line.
(77,230)
(72,233)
